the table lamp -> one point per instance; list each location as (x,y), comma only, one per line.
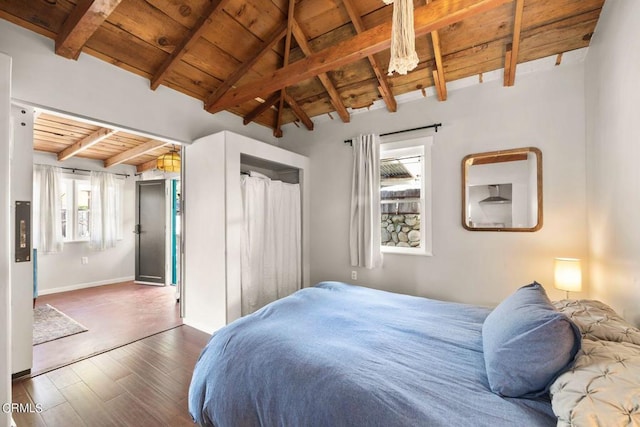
(568,275)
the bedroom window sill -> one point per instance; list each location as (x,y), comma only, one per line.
(405,251)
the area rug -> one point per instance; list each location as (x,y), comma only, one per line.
(51,324)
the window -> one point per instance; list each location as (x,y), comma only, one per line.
(75,199)
(83,199)
(76,212)
(405,196)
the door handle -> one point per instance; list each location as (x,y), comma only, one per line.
(137,229)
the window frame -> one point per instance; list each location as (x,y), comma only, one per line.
(74,184)
(394,147)
(78,186)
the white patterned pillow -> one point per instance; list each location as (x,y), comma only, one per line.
(603,387)
(598,321)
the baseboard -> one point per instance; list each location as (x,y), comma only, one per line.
(21,374)
(198,326)
(84,285)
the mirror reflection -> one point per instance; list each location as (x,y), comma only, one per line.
(502,190)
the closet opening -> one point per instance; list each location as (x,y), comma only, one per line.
(271,238)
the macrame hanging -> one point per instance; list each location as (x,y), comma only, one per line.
(403,38)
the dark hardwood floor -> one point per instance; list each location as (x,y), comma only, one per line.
(141,384)
(115,315)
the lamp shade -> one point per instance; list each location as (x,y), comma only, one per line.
(568,274)
(169,162)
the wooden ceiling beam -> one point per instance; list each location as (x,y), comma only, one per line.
(427,18)
(277,131)
(133,153)
(196,32)
(384,88)
(298,111)
(268,103)
(85,143)
(508,53)
(438,86)
(328,85)
(246,66)
(438,73)
(277,128)
(512,53)
(80,25)
(147,166)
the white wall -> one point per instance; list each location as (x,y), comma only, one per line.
(204,234)
(64,271)
(5,249)
(613,149)
(21,272)
(544,110)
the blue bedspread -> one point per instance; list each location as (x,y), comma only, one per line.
(342,355)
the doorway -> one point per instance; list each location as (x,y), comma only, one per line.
(94,279)
(151,235)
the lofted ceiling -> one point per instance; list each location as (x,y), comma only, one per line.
(278,61)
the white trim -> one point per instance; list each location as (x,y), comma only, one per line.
(197,325)
(168,194)
(84,285)
(399,143)
(6,128)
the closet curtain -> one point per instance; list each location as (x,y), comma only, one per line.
(271,248)
(103,220)
(364,230)
(47,209)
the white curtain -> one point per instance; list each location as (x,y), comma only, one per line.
(287,226)
(271,241)
(364,231)
(103,219)
(47,209)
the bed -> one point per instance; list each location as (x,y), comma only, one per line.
(343,355)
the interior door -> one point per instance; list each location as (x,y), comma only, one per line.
(151,232)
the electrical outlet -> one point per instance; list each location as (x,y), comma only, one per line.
(84,260)
(354,275)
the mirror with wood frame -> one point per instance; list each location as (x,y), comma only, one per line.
(502,190)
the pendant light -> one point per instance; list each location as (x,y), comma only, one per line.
(169,162)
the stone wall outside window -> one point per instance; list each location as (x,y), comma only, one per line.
(402,230)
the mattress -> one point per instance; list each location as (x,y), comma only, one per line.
(343,355)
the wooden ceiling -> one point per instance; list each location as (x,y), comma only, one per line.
(279,61)
(67,138)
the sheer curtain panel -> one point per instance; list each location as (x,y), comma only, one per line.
(47,209)
(103,219)
(364,231)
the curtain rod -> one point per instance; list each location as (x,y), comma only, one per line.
(435,125)
(73,170)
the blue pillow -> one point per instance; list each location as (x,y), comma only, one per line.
(527,343)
